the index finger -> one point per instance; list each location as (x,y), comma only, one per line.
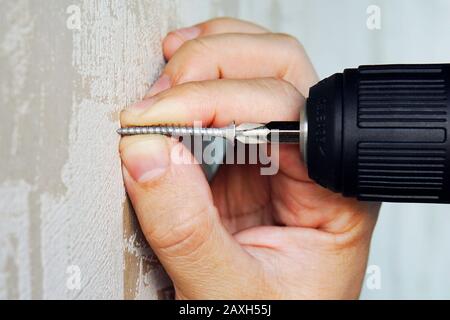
(217,103)
(176,38)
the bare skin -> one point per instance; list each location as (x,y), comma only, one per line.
(244,236)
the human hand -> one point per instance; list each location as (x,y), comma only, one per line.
(244,236)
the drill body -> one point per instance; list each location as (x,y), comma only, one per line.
(380,133)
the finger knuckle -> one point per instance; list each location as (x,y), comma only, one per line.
(292,43)
(180,91)
(283,89)
(191,94)
(197,46)
(185,235)
(290,91)
(199,89)
(192,55)
(194,90)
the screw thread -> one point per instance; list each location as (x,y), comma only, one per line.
(173,131)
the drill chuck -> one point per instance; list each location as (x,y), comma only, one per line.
(380,133)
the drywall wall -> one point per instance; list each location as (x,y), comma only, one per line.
(67,68)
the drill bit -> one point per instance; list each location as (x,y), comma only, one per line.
(248,133)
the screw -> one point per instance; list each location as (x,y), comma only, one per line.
(171,130)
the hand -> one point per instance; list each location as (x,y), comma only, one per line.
(245,236)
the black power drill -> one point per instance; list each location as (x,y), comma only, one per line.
(380,133)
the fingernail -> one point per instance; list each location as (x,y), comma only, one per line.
(163,83)
(141,106)
(146,160)
(189,33)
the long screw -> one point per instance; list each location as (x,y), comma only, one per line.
(173,131)
(228,132)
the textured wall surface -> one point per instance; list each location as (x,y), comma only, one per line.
(63,211)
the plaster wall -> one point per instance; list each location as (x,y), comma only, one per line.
(68,66)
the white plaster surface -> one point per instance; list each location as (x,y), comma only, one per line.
(62,201)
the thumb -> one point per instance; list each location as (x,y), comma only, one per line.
(174,205)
